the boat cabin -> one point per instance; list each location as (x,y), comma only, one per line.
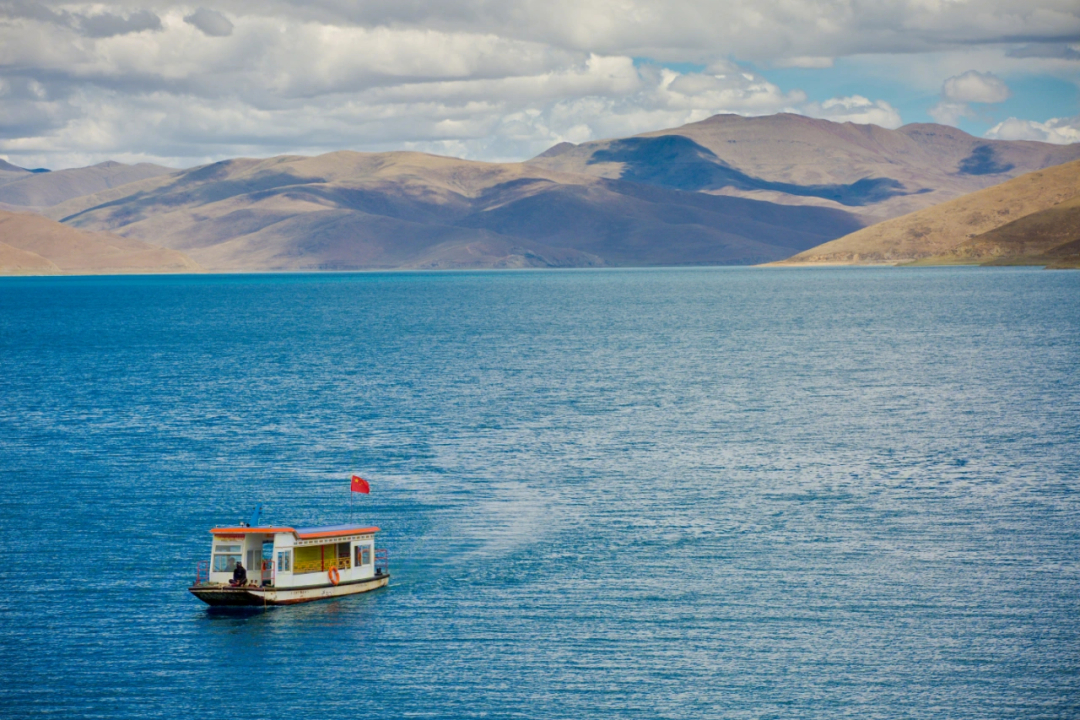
(285,557)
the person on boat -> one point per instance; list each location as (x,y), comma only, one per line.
(239,574)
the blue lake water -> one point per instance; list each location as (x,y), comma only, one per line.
(710,493)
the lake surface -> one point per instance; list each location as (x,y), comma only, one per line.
(709,493)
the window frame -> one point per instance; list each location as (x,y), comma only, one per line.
(237,558)
(363,550)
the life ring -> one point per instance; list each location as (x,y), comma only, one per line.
(335,576)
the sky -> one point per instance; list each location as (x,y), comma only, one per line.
(503,80)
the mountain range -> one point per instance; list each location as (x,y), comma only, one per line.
(865,170)
(727,190)
(357,210)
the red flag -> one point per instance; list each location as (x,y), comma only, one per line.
(360,485)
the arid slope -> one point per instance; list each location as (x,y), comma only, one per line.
(40,190)
(34,245)
(1049,237)
(943,230)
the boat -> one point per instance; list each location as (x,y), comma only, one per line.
(294,565)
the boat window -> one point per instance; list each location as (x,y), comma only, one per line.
(363,555)
(308,559)
(320,558)
(283,561)
(226,562)
(227,549)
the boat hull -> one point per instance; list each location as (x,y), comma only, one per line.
(227,596)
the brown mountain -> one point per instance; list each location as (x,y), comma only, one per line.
(34,245)
(865,170)
(1026,216)
(1049,237)
(39,190)
(348,210)
(11,173)
(728,190)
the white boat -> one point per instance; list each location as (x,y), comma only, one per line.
(288,565)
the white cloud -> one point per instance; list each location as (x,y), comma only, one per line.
(959,91)
(975,87)
(949,113)
(507,118)
(856,109)
(1060,131)
(490,80)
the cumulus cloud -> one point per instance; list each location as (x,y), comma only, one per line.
(1060,131)
(498,118)
(210,22)
(959,91)
(150,79)
(975,87)
(949,113)
(856,109)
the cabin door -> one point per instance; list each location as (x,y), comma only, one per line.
(267,560)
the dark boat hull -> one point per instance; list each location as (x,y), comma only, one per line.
(227,596)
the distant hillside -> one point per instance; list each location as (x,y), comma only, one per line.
(1049,237)
(39,190)
(10,173)
(867,170)
(1024,217)
(348,210)
(33,245)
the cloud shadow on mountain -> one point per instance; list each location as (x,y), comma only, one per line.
(678,162)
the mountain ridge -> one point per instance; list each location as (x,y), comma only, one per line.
(395,209)
(725,190)
(34,191)
(918,165)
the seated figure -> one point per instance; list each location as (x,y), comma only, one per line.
(239,575)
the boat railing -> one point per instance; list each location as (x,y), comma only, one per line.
(382,561)
(202,572)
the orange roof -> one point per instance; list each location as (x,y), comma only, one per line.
(245,530)
(311,533)
(333,531)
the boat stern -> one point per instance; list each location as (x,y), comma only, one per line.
(219,595)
